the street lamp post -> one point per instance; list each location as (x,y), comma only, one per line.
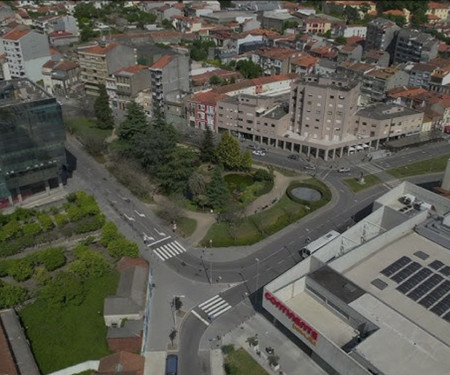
(257,279)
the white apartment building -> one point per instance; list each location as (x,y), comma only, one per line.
(26,52)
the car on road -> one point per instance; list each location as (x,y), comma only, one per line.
(172,364)
(258,153)
(293,157)
(310,167)
(344,170)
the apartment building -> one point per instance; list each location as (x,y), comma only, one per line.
(415,46)
(386,121)
(60,77)
(275,61)
(348,31)
(419,74)
(32,136)
(377,82)
(275,19)
(438,10)
(254,115)
(123,86)
(26,52)
(381,34)
(323,108)
(315,25)
(99,62)
(169,75)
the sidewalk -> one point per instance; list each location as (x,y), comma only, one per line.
(291,357)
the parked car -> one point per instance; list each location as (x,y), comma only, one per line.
(344,170)
(258,153)
(252,147)
(310,167)
(172,364)
(293,157)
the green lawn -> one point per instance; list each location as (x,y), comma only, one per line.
(85,128)
(354,184)
(186,226)
(433,165)
(244,363)
(256,227)
(72,335)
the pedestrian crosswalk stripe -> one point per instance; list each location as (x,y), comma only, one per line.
(215,306)
(169,250)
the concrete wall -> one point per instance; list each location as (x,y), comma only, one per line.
(111,320)
(33,68)
(80,367)
(335,356)
(120,57)
(34,45)
(446,181)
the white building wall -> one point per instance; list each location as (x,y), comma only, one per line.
(33,68)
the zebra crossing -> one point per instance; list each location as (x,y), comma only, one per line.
(169,250)
(214,307)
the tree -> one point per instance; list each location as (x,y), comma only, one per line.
(399,20)
(228,152)
(341,40)
(247,160)
(177,303)
(351,14)
(249,69)
(174,174)
(215,80)
(172,335)
(196,184)
(207,147)
(89,264)
(20,269)
(103,112)
(217,191)
(52,258)
(135,122)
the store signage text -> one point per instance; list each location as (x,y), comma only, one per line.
(298,324)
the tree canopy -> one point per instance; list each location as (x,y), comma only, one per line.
(217,190)
(103,112)
(135,122)
(228,152)
(249,69)
(207,146)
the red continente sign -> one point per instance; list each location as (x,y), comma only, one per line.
(298,324)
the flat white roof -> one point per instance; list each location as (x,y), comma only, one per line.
(321,318)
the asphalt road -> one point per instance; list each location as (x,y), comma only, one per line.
(278,254)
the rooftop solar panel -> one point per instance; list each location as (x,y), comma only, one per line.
(396,266)
(406,272)
(425,287)
(414,280)
(437,264)
(445,271)
(442,307)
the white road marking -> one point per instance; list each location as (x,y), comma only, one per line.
(139,214)
(198,316)
(161,240)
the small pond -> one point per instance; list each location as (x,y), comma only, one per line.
(307,194)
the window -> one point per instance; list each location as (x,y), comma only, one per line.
(309,102)
(318,112)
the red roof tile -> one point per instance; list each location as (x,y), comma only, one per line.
(128,363)
(162,62)
(15,34)
(50,64)
(128,262)
(100,50)
(208,97)
(434,5)
(132,69)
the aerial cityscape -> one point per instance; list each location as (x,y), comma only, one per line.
(224,187)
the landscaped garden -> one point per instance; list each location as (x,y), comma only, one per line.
(56,268)
(369,181)
(433,165)
(239,362)
(235,230)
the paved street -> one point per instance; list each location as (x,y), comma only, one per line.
(213,282)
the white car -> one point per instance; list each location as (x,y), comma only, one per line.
(344,170)
(258,153)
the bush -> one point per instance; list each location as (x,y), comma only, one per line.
(46,221)
(61,219)
(31,229)
(52,258)
(263,175)
(109,233)
(65,289)
(227,349)
(20,269)
(89,224)
(89,264)
(123,247)
(11,295)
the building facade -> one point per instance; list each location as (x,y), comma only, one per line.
(60,77)
(26,51)
(99,62)
(169,74)
(381,34)
(415,46)
(377,82)
(32,136)
(123,86)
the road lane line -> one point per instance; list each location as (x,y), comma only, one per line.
(162,239)
(198,316)
(211,299)
(174,248)
(216,308)
(161,256)
(168,250)
(220,312)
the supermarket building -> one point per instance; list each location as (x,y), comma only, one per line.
(376,299)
